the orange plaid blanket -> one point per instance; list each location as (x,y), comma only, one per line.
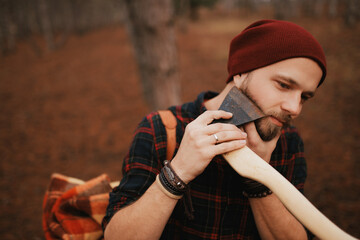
(73,209)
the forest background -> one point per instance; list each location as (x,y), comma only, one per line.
(71,93)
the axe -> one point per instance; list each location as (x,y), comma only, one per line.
(245,162)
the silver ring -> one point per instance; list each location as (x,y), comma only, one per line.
(216,138)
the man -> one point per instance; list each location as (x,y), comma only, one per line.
(279,66)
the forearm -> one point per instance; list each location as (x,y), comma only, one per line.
(144,219)
(274,221)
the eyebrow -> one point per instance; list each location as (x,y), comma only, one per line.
(291,81)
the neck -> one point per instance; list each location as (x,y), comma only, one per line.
(214,103)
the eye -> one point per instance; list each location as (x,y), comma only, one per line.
(283,85)
(304,98)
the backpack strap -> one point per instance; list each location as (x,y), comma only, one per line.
(170,122)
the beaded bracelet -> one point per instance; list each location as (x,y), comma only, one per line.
(257,195)
(254,189)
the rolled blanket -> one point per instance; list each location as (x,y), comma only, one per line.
(73,209)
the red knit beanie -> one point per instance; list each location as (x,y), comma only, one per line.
(269,41)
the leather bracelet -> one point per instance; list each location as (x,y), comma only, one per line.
(172,185)
(165,191)
(170,181)
(167,185)
(177,184)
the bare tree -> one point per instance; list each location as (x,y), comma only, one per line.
(281,8)
(46,23)
(352,12)
(314,8)
(333,8)
(151,27)
(8,27)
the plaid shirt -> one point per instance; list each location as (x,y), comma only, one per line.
(221,211)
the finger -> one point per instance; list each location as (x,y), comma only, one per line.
(226,147)
(226,136)
(219,127)
(215,138)
(209,116)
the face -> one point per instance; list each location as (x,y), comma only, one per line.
(280,90)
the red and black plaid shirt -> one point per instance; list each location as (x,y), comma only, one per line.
(221,211)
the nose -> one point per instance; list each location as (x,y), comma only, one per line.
(292,105)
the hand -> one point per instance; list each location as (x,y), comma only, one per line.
(199,145)
(254,142)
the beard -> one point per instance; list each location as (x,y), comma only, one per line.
(266,129)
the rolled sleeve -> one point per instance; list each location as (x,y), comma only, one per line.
(139,171)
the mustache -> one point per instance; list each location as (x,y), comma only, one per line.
(283,117)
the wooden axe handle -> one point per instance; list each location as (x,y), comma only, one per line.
(248,164)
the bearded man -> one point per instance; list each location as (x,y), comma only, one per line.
(279,66)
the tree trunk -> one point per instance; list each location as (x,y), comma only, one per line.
(286,9)
(319,8)
(46,24)
(9,28)
(281,9)
(151,28)
(333,8)
(313,8)
(2,27)
(351,12)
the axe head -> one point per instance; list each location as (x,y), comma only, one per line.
(242,108)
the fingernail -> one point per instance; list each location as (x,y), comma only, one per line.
(243,141)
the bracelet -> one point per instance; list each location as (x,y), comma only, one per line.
(166,183)
(172,186)
(254,189)
(171,181)
(257,195)
(166,192)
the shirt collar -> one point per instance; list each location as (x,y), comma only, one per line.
(201,99)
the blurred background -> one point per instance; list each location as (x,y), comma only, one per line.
(76,77)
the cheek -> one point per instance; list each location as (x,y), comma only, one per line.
(265,97)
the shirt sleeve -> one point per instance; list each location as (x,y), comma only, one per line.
(140,168)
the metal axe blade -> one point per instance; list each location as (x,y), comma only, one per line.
(242,108)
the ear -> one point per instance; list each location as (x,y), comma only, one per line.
(239,79)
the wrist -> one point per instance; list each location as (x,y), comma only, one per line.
(166,190)
(181,173)
(171,181)
(174,187)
